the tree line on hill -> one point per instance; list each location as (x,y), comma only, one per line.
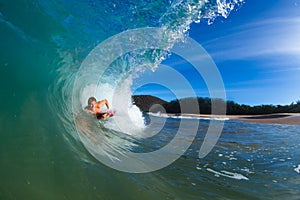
(153,104)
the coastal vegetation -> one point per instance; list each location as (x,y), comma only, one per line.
(153,104)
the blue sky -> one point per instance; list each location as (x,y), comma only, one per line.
(256,49)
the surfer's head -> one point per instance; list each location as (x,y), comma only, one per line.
(90,102)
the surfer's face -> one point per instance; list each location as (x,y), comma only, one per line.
(93,103)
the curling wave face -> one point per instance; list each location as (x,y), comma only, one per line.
(113,80)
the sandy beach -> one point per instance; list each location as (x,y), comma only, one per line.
(277,118)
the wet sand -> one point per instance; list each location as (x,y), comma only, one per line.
(290,119)
(277,118)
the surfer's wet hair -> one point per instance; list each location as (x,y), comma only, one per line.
(90,100)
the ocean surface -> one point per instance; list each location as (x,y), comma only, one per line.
(51,148)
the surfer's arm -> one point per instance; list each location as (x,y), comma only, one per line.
(103,102)
(106,103)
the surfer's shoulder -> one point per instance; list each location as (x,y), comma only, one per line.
(88,110)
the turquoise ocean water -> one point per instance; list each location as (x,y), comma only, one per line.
(44,156)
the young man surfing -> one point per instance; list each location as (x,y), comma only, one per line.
(94,107)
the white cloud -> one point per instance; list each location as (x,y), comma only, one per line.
(271,37)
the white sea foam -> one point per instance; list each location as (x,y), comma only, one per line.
(247,170)
(164,115)
(159,114)
(128,118)
(228,174)
(297,169)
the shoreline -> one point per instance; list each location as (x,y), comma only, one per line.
(276,118)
